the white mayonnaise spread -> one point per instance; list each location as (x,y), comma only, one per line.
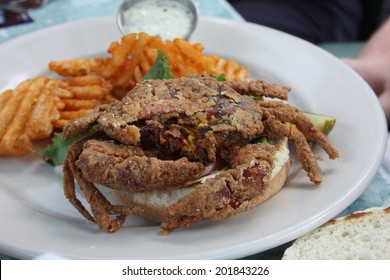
(165,18)
(165,198)
(281,156)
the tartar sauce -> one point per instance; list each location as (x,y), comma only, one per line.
(165,18)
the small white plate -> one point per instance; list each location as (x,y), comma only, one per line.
(36,218)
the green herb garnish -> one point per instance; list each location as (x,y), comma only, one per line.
(160,69)
(55,153)
(220,78)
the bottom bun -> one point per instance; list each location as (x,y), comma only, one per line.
(363,235)
(182,207)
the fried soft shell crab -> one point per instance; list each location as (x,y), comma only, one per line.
(165,134)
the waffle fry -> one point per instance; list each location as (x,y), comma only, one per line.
(79,95)
(230,68)
(23,117)
(77,67)
(68,116)
(8,106)
(38,106)
(80,104)
(132,58)
(39,125)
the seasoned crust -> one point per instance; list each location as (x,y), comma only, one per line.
(127,168)
(180,125)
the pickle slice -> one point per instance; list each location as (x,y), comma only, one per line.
(324,123)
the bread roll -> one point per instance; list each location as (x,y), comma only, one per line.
(363,235)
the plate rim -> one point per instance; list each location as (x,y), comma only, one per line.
(232,252)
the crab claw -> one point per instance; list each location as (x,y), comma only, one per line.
(127,168)
(101,208)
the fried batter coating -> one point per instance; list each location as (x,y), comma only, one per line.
(122,166)
(164,133)
(286,113)
(260,88)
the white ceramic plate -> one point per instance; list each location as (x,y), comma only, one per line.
(37,219)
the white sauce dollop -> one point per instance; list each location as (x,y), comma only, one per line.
(165,18)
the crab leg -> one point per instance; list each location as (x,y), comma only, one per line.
(70,191)
(259,88)
(288,113)
(127,168)
(101,208)
(77,127)
(274,128)
(69,184)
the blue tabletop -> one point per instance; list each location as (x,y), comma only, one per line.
(60,11)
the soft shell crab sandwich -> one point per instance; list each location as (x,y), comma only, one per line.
(184,150)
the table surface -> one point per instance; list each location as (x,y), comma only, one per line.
(60,11)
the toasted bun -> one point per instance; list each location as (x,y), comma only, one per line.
(360,235)
(185,206)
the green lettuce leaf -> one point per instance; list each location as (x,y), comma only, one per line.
(55,153)
(220,78)
(160,69)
